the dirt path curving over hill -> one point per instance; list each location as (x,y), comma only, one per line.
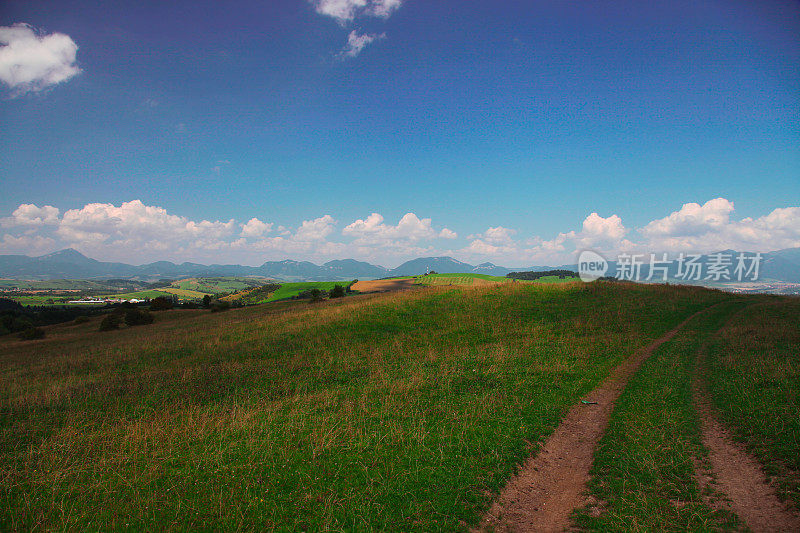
(551,484)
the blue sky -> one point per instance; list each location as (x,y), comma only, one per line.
(507,124)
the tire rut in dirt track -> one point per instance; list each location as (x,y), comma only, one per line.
(737,479)
(551,484)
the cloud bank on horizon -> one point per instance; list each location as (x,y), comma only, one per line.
(136,233)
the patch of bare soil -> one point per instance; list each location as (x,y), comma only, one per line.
(551,484)
(736,480)
(384,285)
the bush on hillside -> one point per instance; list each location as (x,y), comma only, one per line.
(138,317)
(110,322)
(83,319)
(220,305)
(32,334)
(162,303)
(336,292)
(315,295)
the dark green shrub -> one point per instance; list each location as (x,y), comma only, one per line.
(110,322)
(162,303)
(316,295)
(207,301)
(336,292)
(83,319)
(138,317)
(219,306)
(31,334)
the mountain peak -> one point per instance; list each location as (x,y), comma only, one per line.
(68,254)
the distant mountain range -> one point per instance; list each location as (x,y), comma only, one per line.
(783,265)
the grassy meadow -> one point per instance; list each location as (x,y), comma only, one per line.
(479,279)
(402,411)
(752,372)
(397,411)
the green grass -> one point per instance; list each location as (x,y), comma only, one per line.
(400,411)
(643,473)
(752,372)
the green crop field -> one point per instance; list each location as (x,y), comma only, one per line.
(403,411)
(219,285)
(183,293)
(141,295)
(289,290)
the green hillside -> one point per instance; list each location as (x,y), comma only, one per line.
(401,411)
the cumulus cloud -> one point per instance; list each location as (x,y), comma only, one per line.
(709,227)
(692,219)
(345,11)
(372,236)
(135,223)
(372,230)
(357,42)
(32,215)
(255,228)
(30,61)
(315,230)
(26,244)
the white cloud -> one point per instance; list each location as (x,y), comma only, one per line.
(255,228)
(137,225)
(708,227)
(356,43)
(26,244)
(373,238)
(32,62)
(345,11)
(499,235)
(315,230)
(372,230)
(385,8)
(31,215)
(692,219)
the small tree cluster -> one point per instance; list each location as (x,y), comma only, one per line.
(31,334)
(138,317)
(110,322)
(162,303)
(220,305)
(336,292)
